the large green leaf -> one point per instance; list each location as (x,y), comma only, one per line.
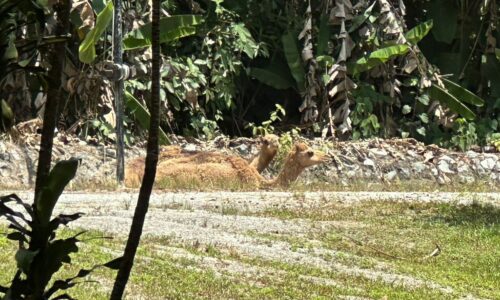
(378,57)
(417,33)
(86,52)
(461,93)
(272,77)
(444,14)
(171,29)
(142,115)
(294,60)
(438,93)
(58,178)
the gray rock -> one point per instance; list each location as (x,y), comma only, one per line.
(369,162)
(243,149)
(391,175)
(190,148)
(419,167)
(444,167)
(462,168)
(489,163)
(378,152)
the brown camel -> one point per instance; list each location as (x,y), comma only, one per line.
(205,168)
(269,149)
(135,168)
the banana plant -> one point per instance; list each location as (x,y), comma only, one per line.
(171,28)
(86,51)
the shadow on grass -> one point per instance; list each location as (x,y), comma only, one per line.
(475,214)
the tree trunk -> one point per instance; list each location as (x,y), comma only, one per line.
(56,54)
(150,165)
(118,91)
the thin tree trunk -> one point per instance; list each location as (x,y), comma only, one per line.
(150,166)
(56,54)
(118,89)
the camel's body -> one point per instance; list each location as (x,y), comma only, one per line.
(207,168)
(211,166)
(268,150)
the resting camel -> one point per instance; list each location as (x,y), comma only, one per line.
(135,168)
(223,170)
(268,150)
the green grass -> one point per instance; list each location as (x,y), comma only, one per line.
(404,234)
(355,185)
(398,235)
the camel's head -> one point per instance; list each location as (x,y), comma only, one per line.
(306,156)
(270,143)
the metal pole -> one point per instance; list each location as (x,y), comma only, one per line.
(118,89)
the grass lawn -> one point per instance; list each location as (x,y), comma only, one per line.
(381,236)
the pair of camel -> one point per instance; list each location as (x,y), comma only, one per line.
(176,166)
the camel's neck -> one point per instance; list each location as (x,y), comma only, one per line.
(265,158)
(291,170)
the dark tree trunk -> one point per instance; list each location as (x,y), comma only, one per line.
(56,54)
(118,89)
(150,166)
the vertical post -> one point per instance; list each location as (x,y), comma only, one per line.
(118,89)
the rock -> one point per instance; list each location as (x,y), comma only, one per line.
(428,155)
(443,179)
(419,167)
(391,175)
(488,163)
(190,148)
(369,162)
(378,152)
(351,174)
(444,167)
(243,149)
(462,168)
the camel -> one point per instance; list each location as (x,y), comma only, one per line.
(224,170)
(134,170)
(269,149)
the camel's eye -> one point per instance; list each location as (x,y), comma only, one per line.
(266,142)
(310,153)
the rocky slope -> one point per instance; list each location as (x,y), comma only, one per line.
(368,161)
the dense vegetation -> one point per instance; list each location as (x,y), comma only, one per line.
(349,69)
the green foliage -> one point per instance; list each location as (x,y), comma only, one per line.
(171,28)
(142,116)
(272,76)
(294,60)
(438,93)
(267,126)
(365,121)
(40,254)
(465,134)
(86,51)
(417,33)
(378,57)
